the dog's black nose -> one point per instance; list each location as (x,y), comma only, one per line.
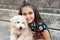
(20,27)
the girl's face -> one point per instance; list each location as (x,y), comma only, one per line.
(28,13)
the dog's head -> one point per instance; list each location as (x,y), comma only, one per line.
(18,22)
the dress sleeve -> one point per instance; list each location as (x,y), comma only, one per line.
(42,27)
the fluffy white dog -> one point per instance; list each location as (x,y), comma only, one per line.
(20,29)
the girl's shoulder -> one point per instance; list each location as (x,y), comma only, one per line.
(42,27)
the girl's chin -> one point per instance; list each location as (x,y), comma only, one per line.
(29,22)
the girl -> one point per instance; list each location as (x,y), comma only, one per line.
(34,21)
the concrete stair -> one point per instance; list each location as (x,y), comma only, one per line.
(52,20)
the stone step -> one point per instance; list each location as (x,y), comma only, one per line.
(6,14)
(51,19)
(39,3)
(49,10)
(6,6)
(5,32)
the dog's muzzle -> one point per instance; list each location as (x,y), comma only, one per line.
(20,29)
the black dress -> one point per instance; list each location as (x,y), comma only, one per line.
(37,29)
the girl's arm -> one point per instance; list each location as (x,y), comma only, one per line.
(46,35)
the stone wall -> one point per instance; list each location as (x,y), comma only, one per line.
(15,4)
(52,21)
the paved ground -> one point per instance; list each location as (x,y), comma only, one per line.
(4,31)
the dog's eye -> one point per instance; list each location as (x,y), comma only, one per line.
(23,22)
(17,22)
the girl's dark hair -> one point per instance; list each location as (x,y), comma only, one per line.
(38,18)
(37,15)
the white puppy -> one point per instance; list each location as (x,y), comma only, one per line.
(20,29)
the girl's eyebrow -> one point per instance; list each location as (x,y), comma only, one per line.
(30,12)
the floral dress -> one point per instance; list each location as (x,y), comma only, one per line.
(37,29)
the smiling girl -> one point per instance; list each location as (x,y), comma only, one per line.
(35,22)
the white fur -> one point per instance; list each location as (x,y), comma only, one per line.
(16,22)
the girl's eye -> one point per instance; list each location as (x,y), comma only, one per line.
(24,13)
(17,22)
(30,13)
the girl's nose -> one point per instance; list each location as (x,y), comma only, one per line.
(28,16)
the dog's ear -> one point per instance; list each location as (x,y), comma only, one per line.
(11,22)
